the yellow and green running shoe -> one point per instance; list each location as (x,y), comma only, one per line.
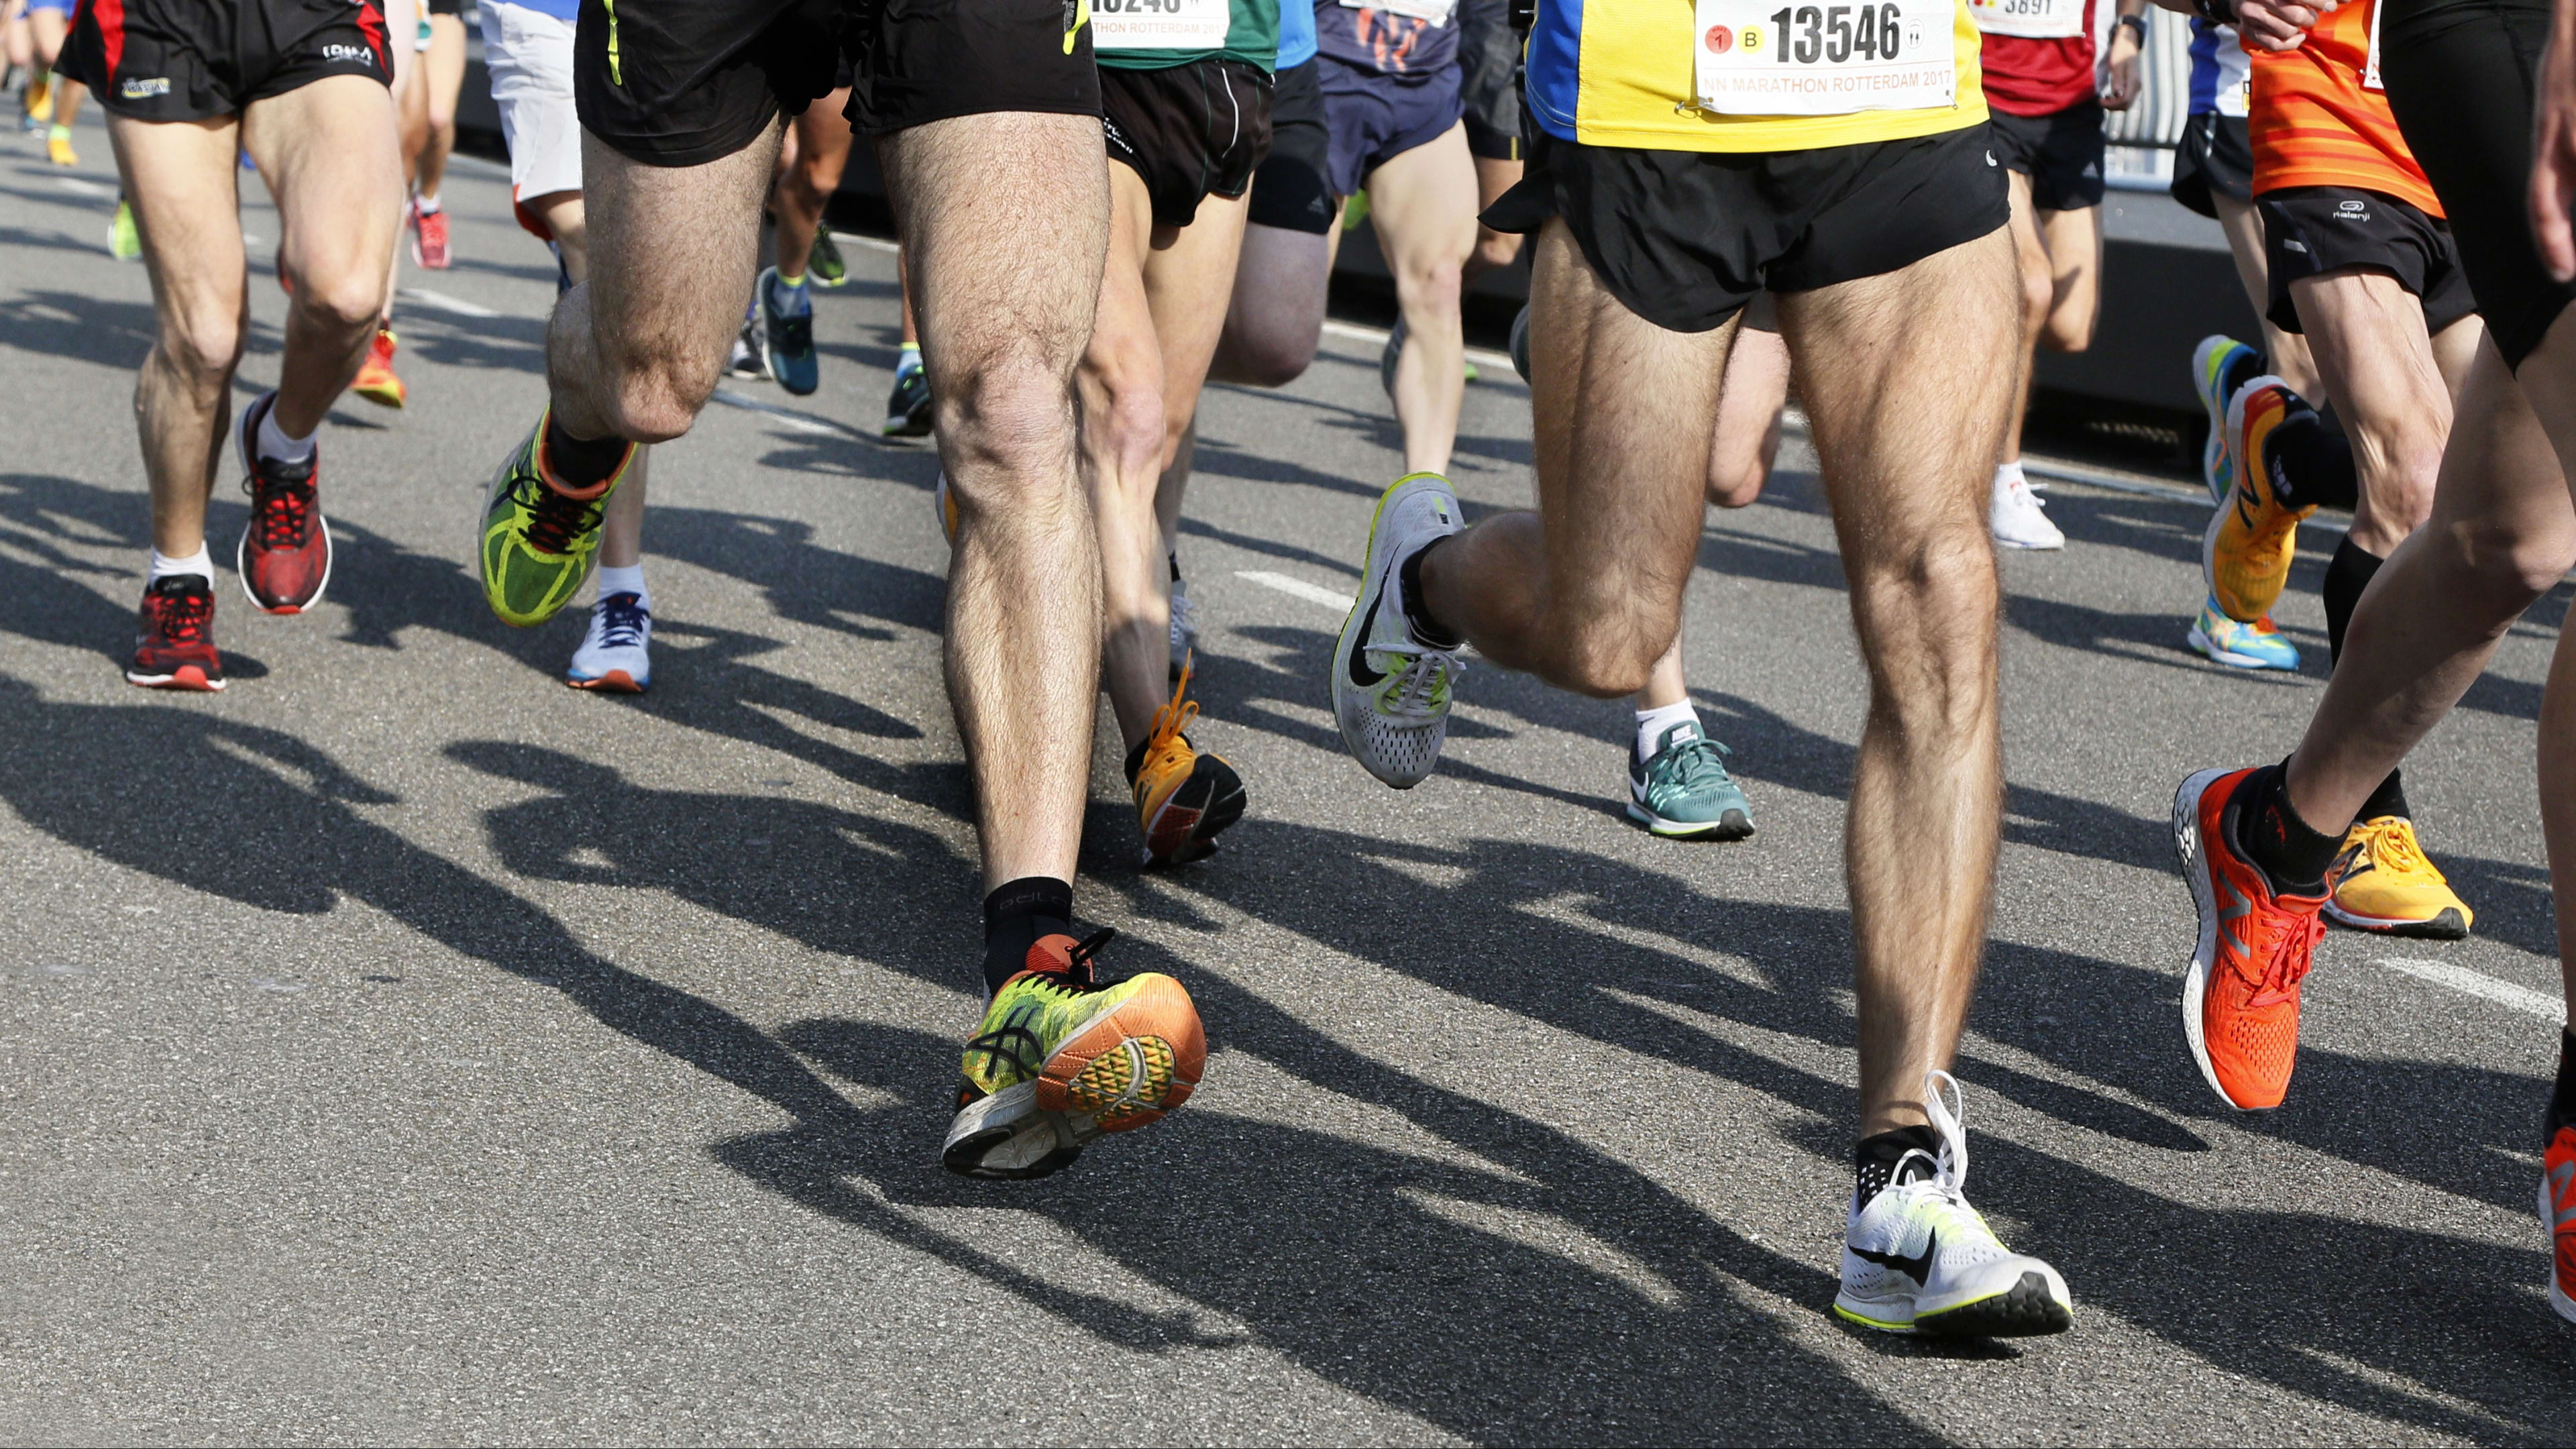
(539,538)
(1061,1058)
(123,242)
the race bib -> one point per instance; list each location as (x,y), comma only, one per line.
(1757,58)
(1158,24)
(1434,13)
(2029,19)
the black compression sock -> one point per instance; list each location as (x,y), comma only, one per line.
(2269,832)
(2388,799)
(2347,574)
(1016,914)
(2249,366)
(1174,559)
(1874,1160)
(1425,628)
(581,462)
(2307,462)
(2562,1097)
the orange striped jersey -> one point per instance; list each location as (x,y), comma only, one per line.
(2319,117)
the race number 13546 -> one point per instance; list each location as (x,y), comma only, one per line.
(1764,59)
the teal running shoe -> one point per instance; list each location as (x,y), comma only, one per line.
(787,334)
(2240,645)
(2217,364)
(1682,790)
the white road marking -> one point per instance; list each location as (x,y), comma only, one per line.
(78,187)
(2481,985)
(799,421)
(1299,588)
(440,301)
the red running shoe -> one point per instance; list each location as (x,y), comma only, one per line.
(2240,1004)
(429,238)
(285,554)
(174,639)
(2558,1214)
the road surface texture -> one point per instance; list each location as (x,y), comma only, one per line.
(402,1046)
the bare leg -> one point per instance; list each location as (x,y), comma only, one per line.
(2037,290)
(621,532)
(1495,250)
(1003,322)
(805,187)
(1423,205)
(2285,353)
(2392,385)
(1277,313)
(327,152)
(443,70)
(180,180)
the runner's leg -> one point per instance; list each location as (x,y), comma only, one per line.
(327,152)
(1422,204)
(2073,240)
(621,530)
(443,72)
(2392,385)
(181,181)
(805,188)
(2285,354)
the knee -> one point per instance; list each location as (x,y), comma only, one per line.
(1264,359)
(657,398)
(2068,334)
(1007,414)
(1496,250)
(2513,566)
(1929,619)
(2038,291)
(348,303)
(1606,656)
(1433,283)
(201,350)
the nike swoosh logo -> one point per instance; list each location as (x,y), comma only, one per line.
(1918,1268)
(1361,674)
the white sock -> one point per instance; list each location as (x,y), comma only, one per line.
(274,444)
(1651,724)
(200,563)
(427,204)
(629,580)
(2009,474)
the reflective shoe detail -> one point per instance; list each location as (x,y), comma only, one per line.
(2240,1000)
(1061,1058)
(124,241)
(824,263)
(1683,791)
(1185,627)
(2251,539)
(1183,798)
(538,539)
(1391,690)
(1918,1259)
(284,557)
(2258,645)
(429,238)
(2018,519)
(749,359)
(2383,882)
(614,657)
(2558,1219)
(174,636)
(2212,362)
(908,406)
(787,336)
(376,381)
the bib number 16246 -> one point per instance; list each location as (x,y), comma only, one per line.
(1761,59)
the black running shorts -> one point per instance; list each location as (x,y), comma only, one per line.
(2459,77)
(1685,238)
(685,82)
(1489,62)
(2060,152)
(2313,229)
(2214,158)
(1189,131)
(448,7)
(195,60)
(1288,189)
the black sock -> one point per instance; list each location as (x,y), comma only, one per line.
(1174,559)
(1016,914)
(2268,832)
(2308,463)
(1874,1160)
(2388,799)
(2562,1097)
(2248,367)
(1409,575)
(2347,574)
(581,462)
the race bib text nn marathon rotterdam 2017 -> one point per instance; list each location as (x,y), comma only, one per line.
(2029,19)
(1434,13)
(1764,58)
(1158,24)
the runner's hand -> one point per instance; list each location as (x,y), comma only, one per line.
(2553,149)
(2279,24)
(2122,90)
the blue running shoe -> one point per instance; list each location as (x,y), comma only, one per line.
(2240,645)
(1682,790)
(2217,364)
(787,334)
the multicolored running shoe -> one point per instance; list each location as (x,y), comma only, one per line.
(1683,792)
(539,537)
(2240,1001)
(2253,536)
(174,636)
(1184,797)
(2259,645)
(2213,363)
(2384,882)
(284,557)
(376,380)
(1391,689)
(2558,1216)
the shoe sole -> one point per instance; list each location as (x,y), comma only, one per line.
(2028,1309)
(187,677)
(1186,825)
(2446,924)
(241,549)
(2002,542)
(1130,1065)
(1372,582)
(2229,657)
(1004,1137)
(615,681)
(2215,407)
(2195,983)
(2559,1300)
(1732,825)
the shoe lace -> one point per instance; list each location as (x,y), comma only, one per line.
(622,618)
(1172,718)
(1428,674)
(281,510)
(1689,764)
(553,519)
(2280,946)
(2022,496)
(183,615)
(2393,848)
(796,333)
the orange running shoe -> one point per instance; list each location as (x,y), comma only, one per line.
(2558,1214)
(1183,797)
(376,381)
(2240,1004)
(2251,540)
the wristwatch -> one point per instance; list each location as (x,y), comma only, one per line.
(2137,24)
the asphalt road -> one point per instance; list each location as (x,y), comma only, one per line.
(401,1046)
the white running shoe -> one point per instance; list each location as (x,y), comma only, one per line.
(613,656)
(1390,689)
(1185,625)
(1918,1259)
(2019,519)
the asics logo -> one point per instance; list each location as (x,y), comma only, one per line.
(1918,1267)
(1361,674)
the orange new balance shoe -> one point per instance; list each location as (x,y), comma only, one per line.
(2240,1003)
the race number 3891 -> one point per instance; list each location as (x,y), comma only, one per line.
(1762,58)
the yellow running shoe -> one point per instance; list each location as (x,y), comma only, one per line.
(2252,538)
(1183,797)
(40,99)
(2383,883)
(539,537)
(1061,1059)
(376,380)
(58,147)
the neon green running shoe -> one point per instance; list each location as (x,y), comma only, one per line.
(123,242)
(539,538)
(1061,1059)
(824,263)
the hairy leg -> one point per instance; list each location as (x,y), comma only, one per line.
(1121,383)
(327,152)
(2285,353)
(806,187)
(179,178)
(1423,205)
(1005,222)
(2391,387)
(1907,438)
(621,529)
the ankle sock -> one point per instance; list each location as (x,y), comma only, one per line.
(200,563)
(581,463)
(273,443)
(2388,799)
(628,580)
(2347,574)
(2008,474)
(2308,463)
(1016,914)
(1408,576)
(790,299)
(426,204)
(2293,854)
(1651,724)
(908,360)
(1874,1160)
(2562,1097)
